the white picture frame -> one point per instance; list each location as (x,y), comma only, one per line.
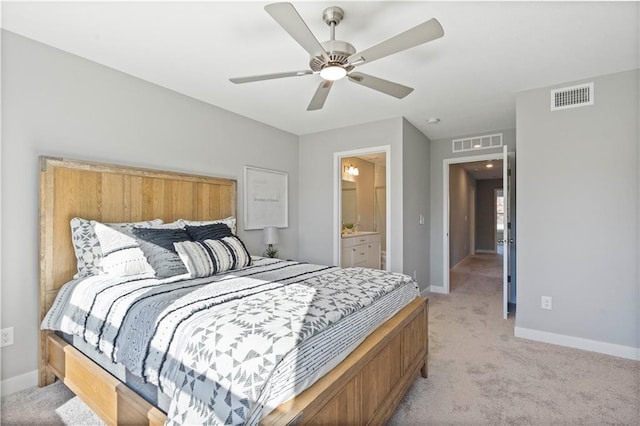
(266,198)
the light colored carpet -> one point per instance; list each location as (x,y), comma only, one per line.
(51,405)
(479,374)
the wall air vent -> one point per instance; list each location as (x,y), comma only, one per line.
(572,97)
(477,142)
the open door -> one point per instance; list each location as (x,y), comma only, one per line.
(506,192)
(509,246)
(512,224)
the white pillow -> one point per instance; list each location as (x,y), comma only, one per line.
(87,247)
(121,253)
(178,224)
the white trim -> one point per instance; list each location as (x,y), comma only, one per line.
(437,289)
(613,349)
(445,207)
(337,199)
(486,251)
(18,383)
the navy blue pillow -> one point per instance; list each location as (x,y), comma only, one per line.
(157,246)
(213,231)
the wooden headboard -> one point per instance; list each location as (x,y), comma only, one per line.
(110,193)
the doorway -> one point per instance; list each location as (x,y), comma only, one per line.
(362,223)
(483,175)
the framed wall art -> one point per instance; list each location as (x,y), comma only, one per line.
(265,198)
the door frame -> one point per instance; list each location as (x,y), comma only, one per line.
(337,198)
(445,208)
(472,220)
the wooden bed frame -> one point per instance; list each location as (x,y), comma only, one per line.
(364,389)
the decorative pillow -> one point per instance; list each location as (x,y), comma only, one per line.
(210,257)
(213,231)
(121,253)
(157,246)
(87,247)
(229,221)
(178,224)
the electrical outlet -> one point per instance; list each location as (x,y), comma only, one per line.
(545,302)
(6,337)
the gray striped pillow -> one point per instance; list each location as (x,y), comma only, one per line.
(210,257)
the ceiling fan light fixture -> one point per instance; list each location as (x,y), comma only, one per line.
(333,72)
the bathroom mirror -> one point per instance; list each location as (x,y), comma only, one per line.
(349,202)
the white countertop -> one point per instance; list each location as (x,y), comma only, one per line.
(359,234)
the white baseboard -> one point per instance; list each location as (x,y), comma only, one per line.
(579,343)
(437,289)
(18,383)
(486,251)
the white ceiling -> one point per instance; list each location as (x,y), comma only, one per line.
(379,158)
(480,171)
(469,78)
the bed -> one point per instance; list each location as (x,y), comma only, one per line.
(363,388)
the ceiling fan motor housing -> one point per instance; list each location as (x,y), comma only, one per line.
(338,51)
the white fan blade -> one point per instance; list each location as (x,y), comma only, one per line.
(420,34)
(385,86)
(289,19)
(249,79)
(317,102)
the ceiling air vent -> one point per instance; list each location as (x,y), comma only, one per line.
(477,142)
(572,97)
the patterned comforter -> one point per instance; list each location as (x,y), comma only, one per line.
(227,349)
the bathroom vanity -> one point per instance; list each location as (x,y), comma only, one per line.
(361,249)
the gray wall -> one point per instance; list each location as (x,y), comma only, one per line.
(409,178)
(486,213)
(58,104)
(460,186)
(577,205)
(441,150)
(316,200)
(415,167)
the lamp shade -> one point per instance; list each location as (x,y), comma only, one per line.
(270,235)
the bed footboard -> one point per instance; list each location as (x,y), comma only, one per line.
(107,396)
(364,389)
(369,384)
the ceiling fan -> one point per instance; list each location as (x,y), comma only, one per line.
(335,59)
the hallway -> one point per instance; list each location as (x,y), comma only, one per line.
(478,273)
